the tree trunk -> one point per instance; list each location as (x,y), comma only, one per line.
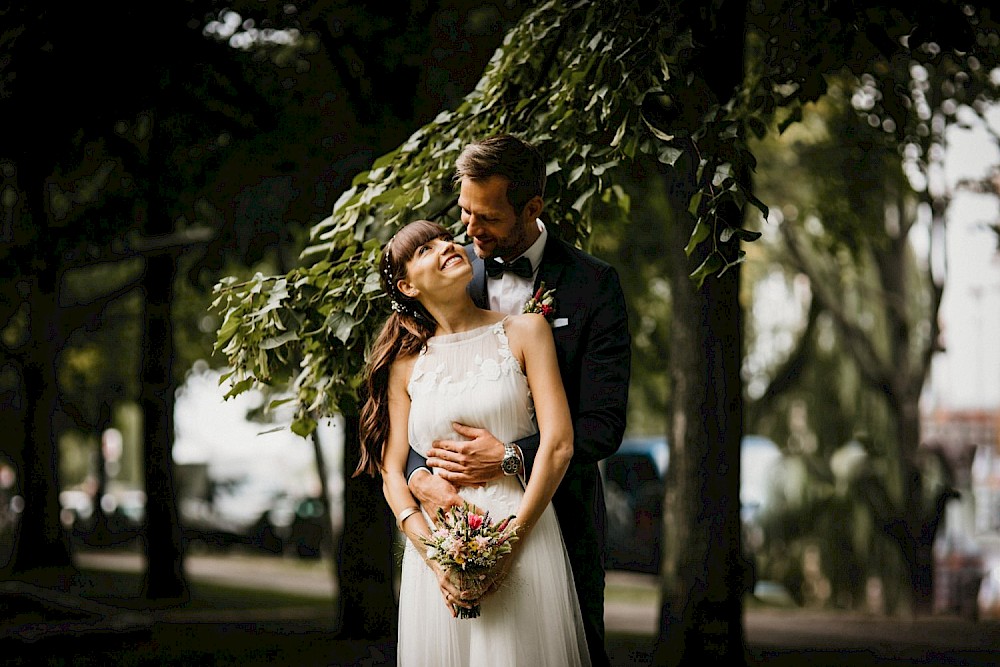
(917,520)
(101,534)
(41,547)
(165,578)
(705,575)
(329,538)
(367,602)
(704,570)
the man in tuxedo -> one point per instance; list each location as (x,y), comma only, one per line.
(502,180)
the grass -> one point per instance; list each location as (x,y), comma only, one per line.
(631,594)
(221,625)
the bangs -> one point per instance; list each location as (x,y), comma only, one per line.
(411,237)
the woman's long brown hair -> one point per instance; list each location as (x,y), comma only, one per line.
(404,333)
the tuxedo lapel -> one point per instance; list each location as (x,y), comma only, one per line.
(553,264)
(477,287)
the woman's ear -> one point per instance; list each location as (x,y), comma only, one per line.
(406,289)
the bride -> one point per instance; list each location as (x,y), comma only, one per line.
(440,360)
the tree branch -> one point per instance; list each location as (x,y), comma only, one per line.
(871,368)
(789,372)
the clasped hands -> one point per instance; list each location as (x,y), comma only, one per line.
(456,596)
(459,463)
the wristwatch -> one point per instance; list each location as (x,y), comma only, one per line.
(511,464)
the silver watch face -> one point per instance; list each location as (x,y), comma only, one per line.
(510,463)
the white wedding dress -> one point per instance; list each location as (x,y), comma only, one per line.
(534,620)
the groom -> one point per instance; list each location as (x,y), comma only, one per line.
(502,180)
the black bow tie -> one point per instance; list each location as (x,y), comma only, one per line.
(519,267)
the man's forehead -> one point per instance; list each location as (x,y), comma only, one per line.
(494,200)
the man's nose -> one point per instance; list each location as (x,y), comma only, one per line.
(471,224)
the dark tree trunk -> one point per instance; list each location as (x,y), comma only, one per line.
(915,526)
(165,578)
(705,574)
(329,537)
(367,601)
(704,570)
(101,533)
(41,547)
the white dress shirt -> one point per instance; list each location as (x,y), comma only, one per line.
(508,292)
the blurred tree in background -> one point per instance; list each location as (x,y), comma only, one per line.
(187,139)
(862,202)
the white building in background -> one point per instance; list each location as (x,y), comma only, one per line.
(961,403)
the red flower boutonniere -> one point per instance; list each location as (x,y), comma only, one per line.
(542,302)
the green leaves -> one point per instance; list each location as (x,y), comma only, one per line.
(592,91)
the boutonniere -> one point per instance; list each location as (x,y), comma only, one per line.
(542,302)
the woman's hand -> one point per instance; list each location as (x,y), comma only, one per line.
(498,575)
(454,597)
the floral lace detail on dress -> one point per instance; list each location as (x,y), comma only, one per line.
(481,368)
(470,378)
(507,360)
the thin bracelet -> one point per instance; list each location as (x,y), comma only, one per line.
(406,514)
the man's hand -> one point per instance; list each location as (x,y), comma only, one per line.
(433,492)
(471,462)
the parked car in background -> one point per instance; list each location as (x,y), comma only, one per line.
(634,486)
(278,525)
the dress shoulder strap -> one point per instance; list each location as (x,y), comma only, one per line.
(500,329)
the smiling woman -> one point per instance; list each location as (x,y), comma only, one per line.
(440,268)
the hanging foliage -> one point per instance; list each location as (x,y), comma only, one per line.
(592,84)
(582,83)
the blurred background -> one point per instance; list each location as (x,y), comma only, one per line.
(263,127)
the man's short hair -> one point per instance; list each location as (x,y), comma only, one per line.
(505,155)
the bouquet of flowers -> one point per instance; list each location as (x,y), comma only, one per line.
(467,544)
(541,302)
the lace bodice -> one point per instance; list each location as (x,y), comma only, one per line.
(473,379)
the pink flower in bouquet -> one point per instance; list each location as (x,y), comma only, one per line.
(468,545)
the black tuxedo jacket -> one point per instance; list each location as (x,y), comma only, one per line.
(593,344)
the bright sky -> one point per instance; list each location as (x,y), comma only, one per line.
(967,375)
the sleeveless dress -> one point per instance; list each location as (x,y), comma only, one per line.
(534,619)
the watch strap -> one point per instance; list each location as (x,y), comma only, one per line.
(511,464)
